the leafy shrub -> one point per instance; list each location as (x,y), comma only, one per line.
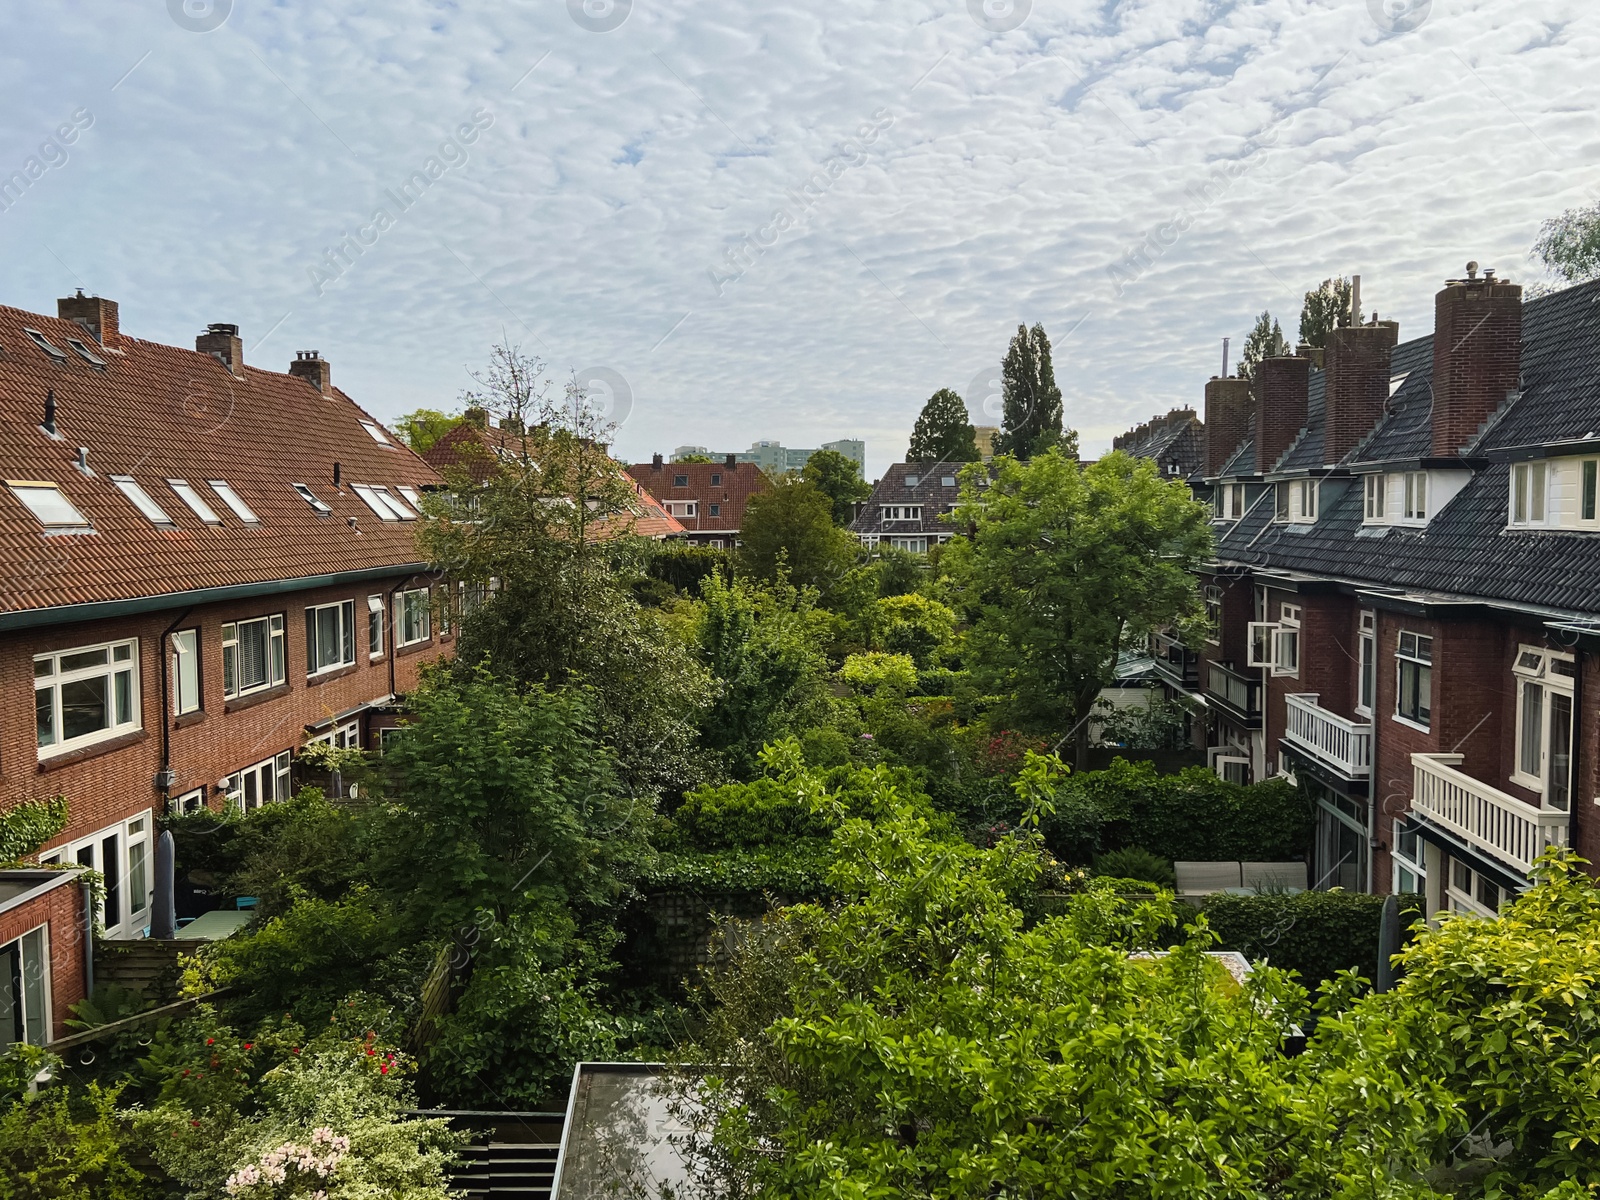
(1317,934)
(30,824)
(939,681)
(58,1146)
(913,625)
(799,868)
(324,1113)
(1191,816)
(876,673)
(1132,862)
(746,814)
(685,567)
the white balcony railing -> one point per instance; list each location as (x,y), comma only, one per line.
(1485,816)
(1344,745)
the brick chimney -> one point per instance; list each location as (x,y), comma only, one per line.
(1282,385)
(314,369)
(731,462)
(1477,355)
(97,316)
(475,414)
(1356,383)
(222,342)
(1229,416)
(655,462)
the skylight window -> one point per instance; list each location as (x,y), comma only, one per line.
(43,343)
(377,504)
(375,433)
(88,355)
(189,496)
(228,496)
(410,493)
(47,502)
(309,498)
(141,500)
(394,502)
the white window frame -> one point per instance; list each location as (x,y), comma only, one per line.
(111,670)
(415,603)
(185,661)
(273,772)
(137,830)
(143,501)
(913,545)
(1535,668)
(1529,506)
(1213,603)
(305,493)
(1588,493)
(32,948)
(375,433)
(28,490)
(184,490)
(233,500)
(1414,498)
(277,656)
(1296,502)
(899,512)
(375,639)
(340,737)
(679,509)
(1466,900)
(1412,862)
(1374,499)
(194,800)
(346,635)
(1286,649)
(1366,662)
(1413,656)
(1238,763)
(1259,652)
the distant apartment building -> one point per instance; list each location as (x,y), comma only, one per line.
(206,566)
(775,459)
(1404,599)
(706,499)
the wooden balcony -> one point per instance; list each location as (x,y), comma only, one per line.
(1239,692)
(1487,818)
(1336,742)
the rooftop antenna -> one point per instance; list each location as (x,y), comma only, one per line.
(1224,358)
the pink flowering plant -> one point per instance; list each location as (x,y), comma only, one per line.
(282,1114)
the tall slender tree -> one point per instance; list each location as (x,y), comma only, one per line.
(943,432)
(1326,309)
(1032,418)
(1266,340)
(1569,245)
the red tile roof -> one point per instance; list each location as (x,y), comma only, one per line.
(158,412)
(735,485)
(476,448)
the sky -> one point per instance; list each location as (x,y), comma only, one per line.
(738,220)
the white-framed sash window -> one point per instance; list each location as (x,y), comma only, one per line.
(85,695)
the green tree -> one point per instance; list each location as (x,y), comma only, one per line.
(762,645)
(1325,309)
(1065,568)
(422,427)
(913,624)
(1265,341)
(1569,245)
(789,528)
(549,598)
(921,1038)
(1032,418)
(838,478)
(693,458)
(943,432)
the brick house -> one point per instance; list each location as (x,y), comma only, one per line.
(44,952)
(206,565)
(907,507)
(706,499)
(1405,597)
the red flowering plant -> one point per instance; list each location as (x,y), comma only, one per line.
(1005,751)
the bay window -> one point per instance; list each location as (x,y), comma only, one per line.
(330,636)
(253,655)
(85,695)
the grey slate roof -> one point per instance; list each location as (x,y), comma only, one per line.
(1465,550)
(1243,461)
(930,491)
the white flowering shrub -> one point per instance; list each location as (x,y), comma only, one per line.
(278,1116)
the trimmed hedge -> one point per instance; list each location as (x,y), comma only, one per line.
(1315,933)
(799,868)
(1191,816)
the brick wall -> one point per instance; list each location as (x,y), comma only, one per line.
(1282,388)
(1357,383)
(61,909)
(1477,357)
(1230,410)
(115,780)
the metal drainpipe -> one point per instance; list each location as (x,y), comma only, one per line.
(166,710)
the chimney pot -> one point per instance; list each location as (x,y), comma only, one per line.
(335,474)
(83,460)
(1472,270)
(49,425)
(314,369)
